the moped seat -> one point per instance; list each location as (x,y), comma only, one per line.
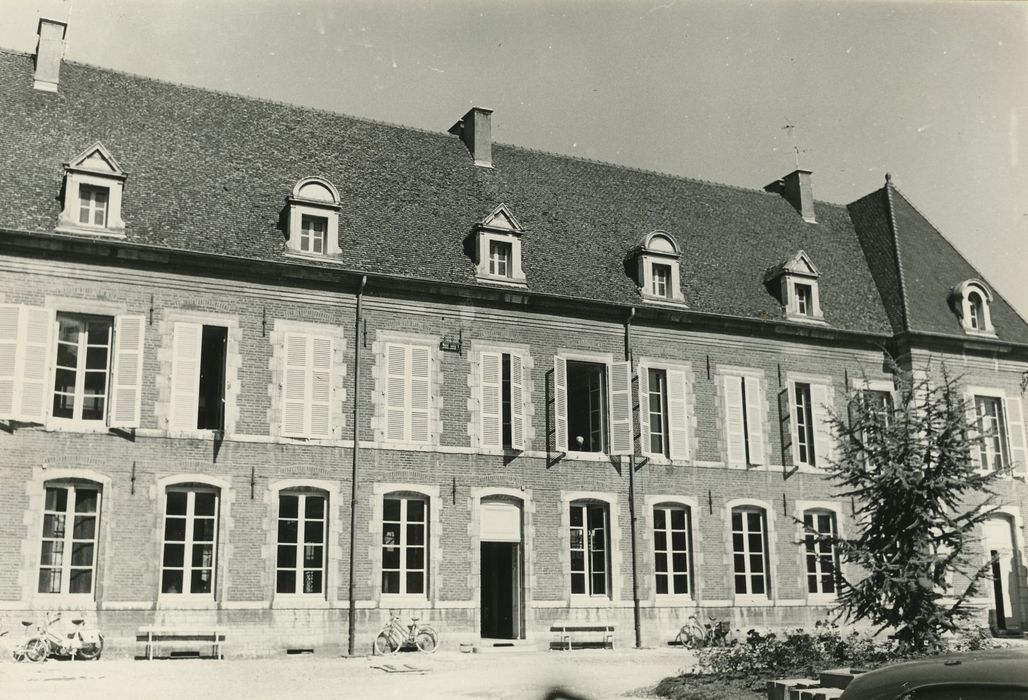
(27,623)
(77,622)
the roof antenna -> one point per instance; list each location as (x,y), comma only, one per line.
(791,128)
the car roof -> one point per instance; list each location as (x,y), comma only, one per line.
(997,666)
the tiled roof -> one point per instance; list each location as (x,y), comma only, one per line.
(211,172)
(916,268)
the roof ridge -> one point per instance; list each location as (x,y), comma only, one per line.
(896,248)
(380,122)
(957,250)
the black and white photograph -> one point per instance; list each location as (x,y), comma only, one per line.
(542,349)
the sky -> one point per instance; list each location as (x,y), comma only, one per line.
(935,93)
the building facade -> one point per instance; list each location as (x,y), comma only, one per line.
(281,370)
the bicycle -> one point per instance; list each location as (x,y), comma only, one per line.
(51,640)
(696,635)
(395,636)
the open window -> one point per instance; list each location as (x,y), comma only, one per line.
(593,404)
(496,246)
(91,198)
(501,402)
(198,377)
(971,301)
(795,284)
(663,410)
(657,270)
(313,218)
(807,432)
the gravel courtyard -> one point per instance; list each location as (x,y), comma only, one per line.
(592,674)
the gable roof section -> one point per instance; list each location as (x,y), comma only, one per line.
(211,172)
(916,268)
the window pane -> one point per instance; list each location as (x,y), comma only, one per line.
(175,529)
(681,583)
(577,539)
(286,556)
(576,517)
(314,532)
(56,499)
(285,582)
(660,563)
(64,381)
(287,506)
(82,554)
(96,358)
(174,555)
(662,584)
(80,581)
(287,530)
(312,556)
(85,500)
(678,541)
(203,555)
(93,408)
(177,502)
(415,582)
(578,583)
(415,534)
(577,560)
(736,520)
(391,558)
(416,511)
(171,582)
(758,585)
(415,558)
(680,562)
(203,529)
(391,533)
(52,553)
(312,582)
(53,526)
(315,507)
(49,581)
(660,540)
(390,581)
(391,509)
(678,519)
(205,503)
(67,355)
(201,581)
(599,582)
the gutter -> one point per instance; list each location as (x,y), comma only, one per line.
(352,616)
(632,517)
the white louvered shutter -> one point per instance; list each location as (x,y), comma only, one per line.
(644,409)
(677,415)
(420,393)
(785,426)
(10,337)
(735,431)
(37,338)
(491,404)
(560,403)
(821,404)
(127,371)
(1015,430)
(320,402)
(517,402)
(755,420)
(294,386)
(396,392)
(622,430)
(185,375)
(973,429)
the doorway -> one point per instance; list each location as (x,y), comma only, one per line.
(1006,567)
(500,579)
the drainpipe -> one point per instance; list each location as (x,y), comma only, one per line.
(352,617)
(631,503)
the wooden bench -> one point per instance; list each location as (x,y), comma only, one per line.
(157,637)
(567,632)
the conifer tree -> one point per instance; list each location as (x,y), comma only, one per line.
(919,502)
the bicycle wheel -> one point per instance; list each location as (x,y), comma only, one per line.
(91,650)
(36,650)
(426,639)
(385,643)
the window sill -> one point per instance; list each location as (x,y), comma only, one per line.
(288,601)
(63,601)
(673,601)
(197,434)
(73,426)
(802,318)
(505,281)
(320,257)
(822,598)
(756,601)
(589,601)
(401,600)
(90,231)
(663,301)
(980,334)
(186,601)
(587,456)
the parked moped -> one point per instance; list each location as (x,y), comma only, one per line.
(55,638)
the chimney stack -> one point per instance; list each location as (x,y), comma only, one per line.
(475,130)
(797,189)
(49,54)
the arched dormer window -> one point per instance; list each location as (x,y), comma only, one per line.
(795,284)
(93,185)
(971,300)
(314,218)
(658,274)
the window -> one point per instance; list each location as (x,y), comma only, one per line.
(992,426)
(301,543)
(93,205)
(671,534)
(408,393)
(70,369)
(313,217)
(587,406)
(502,400)
(804,299)
(92,194)
(795,283)
(656,405)
(822,570)
(307,386)
(82,367)
(880,404)
(657,267)
(976,310)
(593,405)
(199,377)
(312,234)
(190,541)
(804,425)
(499,258)
(970,300)
(663,413)
(743,406)
(67,560)
(404,545)
(496,241)
(589,549)
(749,551)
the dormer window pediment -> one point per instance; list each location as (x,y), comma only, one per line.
(313,221)
(92,194)
(658,272)
(795,283)
(971,301)
(497,248)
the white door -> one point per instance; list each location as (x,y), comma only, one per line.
(1006,589)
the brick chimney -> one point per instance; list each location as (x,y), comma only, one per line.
(475,130)
(797,189)
(49,53)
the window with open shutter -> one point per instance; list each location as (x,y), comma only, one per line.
(973,428)
(396,392)
(491,408)
(821,404)
(185,375)
(517,402)
(735,425)
(321,387)
(644,410)
(127,377)
(754,399)
(678,418)
(622,432)
(1015,429)
(26,339)
(560,403)
(10,334)
(420,393)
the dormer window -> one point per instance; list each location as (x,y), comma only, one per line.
(795,284)
(93,185)
(658,274)
(314,218)
(971,300)
(496,242)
